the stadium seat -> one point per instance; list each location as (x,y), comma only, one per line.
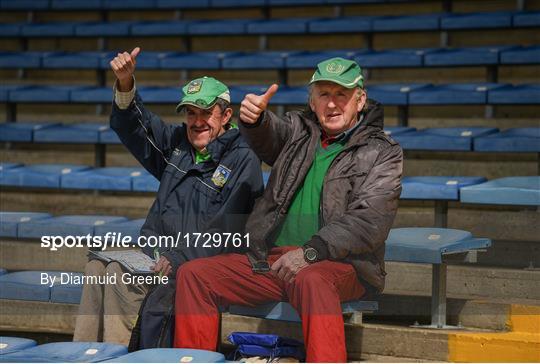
(74,225)
(63,60)
(219,27)
(67,352)
(517,94)
(103,29)
(21,59)
(154,28)
(458,139)
(183,4)
(278,26)
(406,22)
(35,94)
(76,4)
(130,228)
(511,140)
(109,179)
(166,355)
(145,183)
(236,3)
(527,19)
(2,271)
(10,345)
(200,60)
(49,29)
(436,187)
(72,133)
(341,25)
(465,56)
(396,130)
(310,59)
(393,94)
(260,60)
(128,4)
(293,2)
(437,247)
(453,94)
(161,95)
(10,29)
(39,175)
(27,286)
(109,136)
(22,132)
(26,5)
(477,20)
(92,95)
(521,55)
(6,89)
(10,221)
(67,292)
(283,311)
(6,166)
(504,191)
(392,58)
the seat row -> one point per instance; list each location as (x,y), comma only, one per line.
(478,139)
(420,57)
(353,24)
(513,190)
(388,94)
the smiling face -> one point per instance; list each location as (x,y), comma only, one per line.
(336,107)
(205,125)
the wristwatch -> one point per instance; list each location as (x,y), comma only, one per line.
(311,255)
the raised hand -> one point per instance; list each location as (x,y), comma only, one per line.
(123,66)
(253,105)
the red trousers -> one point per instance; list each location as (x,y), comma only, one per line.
(203,285)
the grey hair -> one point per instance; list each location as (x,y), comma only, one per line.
(223,104)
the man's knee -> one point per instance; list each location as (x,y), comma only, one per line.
(114,269)
(311,280)
(94,268)
(189,271)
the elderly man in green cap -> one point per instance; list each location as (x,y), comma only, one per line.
(209,180)
(318,232)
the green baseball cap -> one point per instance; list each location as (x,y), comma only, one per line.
(203,93)
(342,71)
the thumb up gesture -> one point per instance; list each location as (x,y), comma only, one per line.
(253,105)
(123,66)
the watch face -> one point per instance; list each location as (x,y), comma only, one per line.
(310,255)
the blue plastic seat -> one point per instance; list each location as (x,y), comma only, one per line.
(517,95)
(152,28)
(290,96)
(236,3)
(283,311)
(521,55)
(293,2)
(79,60)
(92,95)
(278,26)
(219,27)
(436,187)
(311,59)
(392,58)
(10,221)
(130,228)
(24,5)
(341,25)
(477,20)
(527,19)
(182,4)
(200,60)
(22,132)
(161,95)
(394,94)
(71,133)
(511,140)
(26,286)
(109,179)
(458,139)
(67,352)
(406,22)
(50,29)
(170,356)
(74,225)
(396,130)
(69,291)
(11,29)
(465,56)
(109,136)
(5,90)
(10,345)
(21,59)
(38,175)
(429,245)
(6,166)
(266,177)
(33,94)
(104,29)
(128,4)
(76,4)
(504,191)
(259,60)
(146,183)
(2,271)
(453,94)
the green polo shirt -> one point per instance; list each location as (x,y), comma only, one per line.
(302,221)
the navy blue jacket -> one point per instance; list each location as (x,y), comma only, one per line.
(190,199)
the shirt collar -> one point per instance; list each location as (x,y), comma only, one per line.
(326,140)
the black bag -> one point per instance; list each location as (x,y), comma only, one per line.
(155,323)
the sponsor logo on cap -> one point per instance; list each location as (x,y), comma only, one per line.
(194,86)
(334,67)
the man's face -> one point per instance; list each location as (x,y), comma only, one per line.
(336,106)
(203,126)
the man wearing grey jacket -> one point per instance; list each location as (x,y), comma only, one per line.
(317,235)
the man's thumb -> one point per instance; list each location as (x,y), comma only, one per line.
(270,92)
(135,52)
